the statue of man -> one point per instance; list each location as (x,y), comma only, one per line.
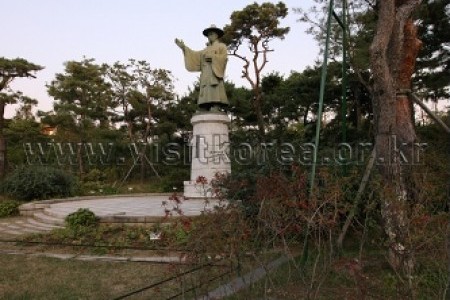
(211,62)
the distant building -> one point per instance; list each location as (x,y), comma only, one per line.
(48,130)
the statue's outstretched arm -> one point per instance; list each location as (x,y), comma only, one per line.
(180,44)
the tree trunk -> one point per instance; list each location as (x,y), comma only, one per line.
(305,116)
(80,159)
(130,131)
(146,135)
(3,156)
(2,141)
(393,52)
(126,117)
(257,104)
(143,168)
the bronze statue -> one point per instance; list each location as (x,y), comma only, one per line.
(211,62)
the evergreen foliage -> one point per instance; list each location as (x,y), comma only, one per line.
(36,183)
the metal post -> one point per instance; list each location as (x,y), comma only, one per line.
(344,78)
(321,96)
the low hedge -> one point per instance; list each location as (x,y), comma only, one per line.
(38,183)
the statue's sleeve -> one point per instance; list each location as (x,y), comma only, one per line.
(192,60)
(219,61)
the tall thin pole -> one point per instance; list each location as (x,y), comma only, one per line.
(321,96)
(344,78)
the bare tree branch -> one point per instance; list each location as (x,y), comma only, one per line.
(245,71)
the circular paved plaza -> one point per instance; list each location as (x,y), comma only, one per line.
(130,206)
(44,216)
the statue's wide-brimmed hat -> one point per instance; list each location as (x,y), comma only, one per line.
(213,28)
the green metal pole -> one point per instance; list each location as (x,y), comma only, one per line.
(321,96)
(304,257)
(344,77)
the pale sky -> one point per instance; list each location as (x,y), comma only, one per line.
(51,32)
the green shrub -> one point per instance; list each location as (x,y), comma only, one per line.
(81,219)
(37,183)
(95,182)
(9,208)
(95,175)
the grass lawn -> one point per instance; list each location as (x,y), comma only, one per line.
(27,277)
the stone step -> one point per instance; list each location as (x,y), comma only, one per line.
(30,230)
(27,226)
(54,213)
(12,232)
(36,227)
(46,219)
(12,226)
(42,225)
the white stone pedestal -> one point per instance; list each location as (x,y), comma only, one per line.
(210,152)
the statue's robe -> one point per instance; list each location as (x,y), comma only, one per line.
(212,89)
